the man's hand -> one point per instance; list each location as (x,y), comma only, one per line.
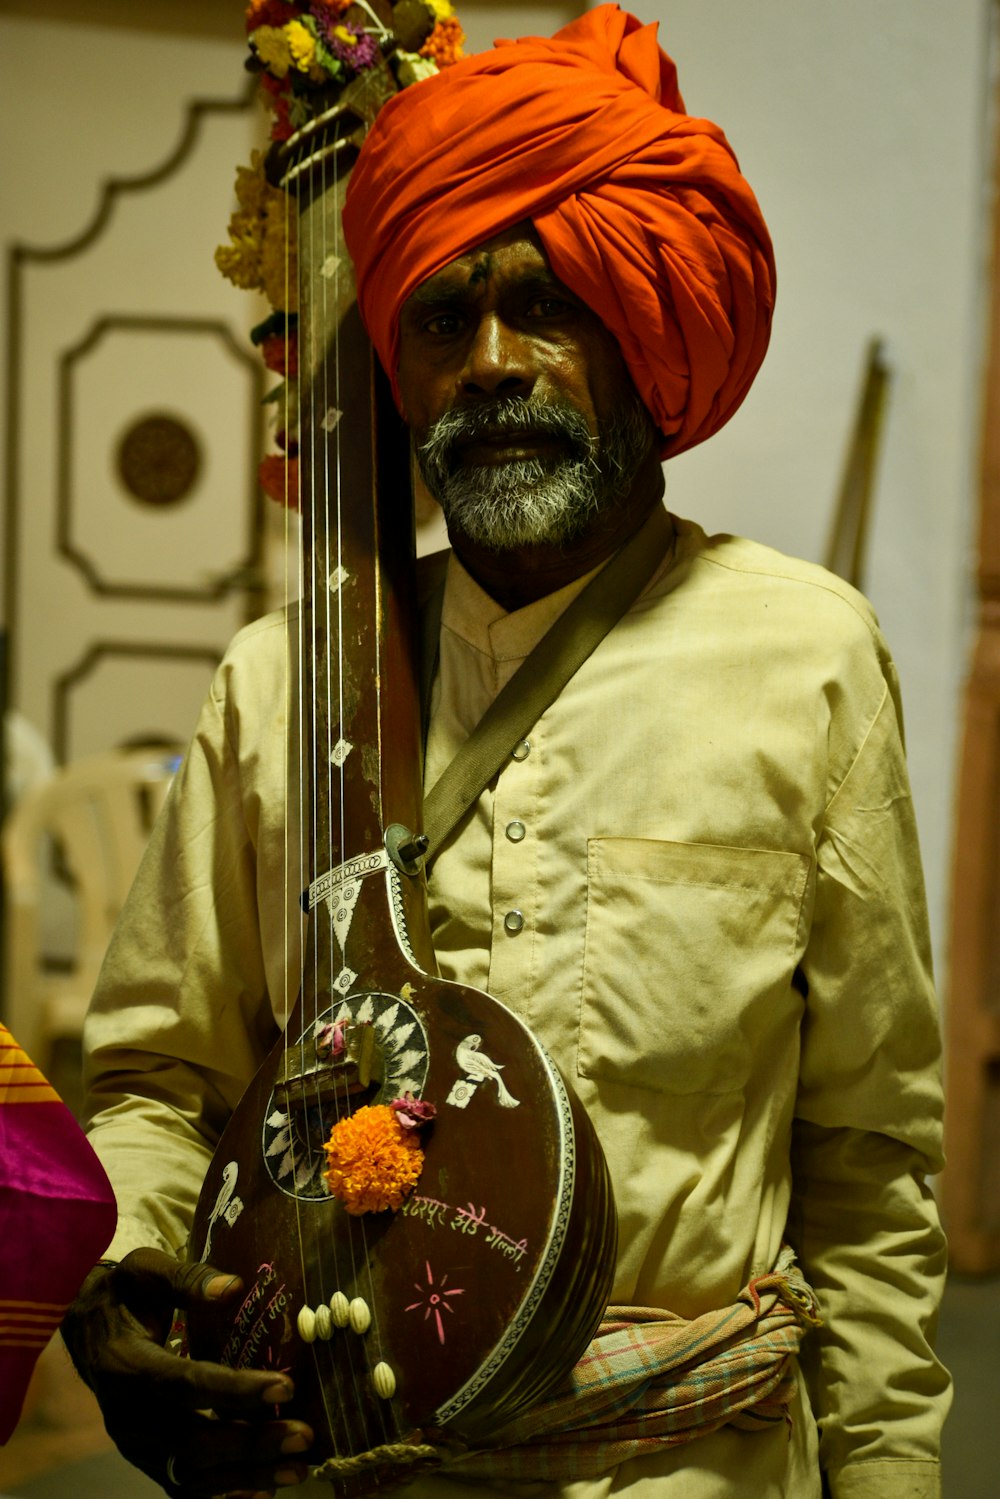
(196,1428)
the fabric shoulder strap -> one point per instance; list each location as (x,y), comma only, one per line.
(541,677)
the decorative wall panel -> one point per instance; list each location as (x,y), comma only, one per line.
(133,522)
(157,411)
(118,690)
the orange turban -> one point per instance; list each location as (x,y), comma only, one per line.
(641,209)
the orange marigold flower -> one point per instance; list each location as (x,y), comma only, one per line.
(444,45)
(372,1161)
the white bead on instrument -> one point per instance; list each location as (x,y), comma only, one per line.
(384,1381)
(340,1308)
(324,1322)
(306,1324)
(360,1315)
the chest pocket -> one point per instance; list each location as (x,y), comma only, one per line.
(688,962)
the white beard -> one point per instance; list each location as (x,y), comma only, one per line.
(532,501)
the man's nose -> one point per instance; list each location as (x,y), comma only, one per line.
(498,361)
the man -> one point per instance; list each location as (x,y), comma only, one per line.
(696,879)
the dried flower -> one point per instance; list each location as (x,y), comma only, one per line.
(327,13)
(412,1112)
(330,1040)
(345,43)
(278,477)
(282,129)
(412,68)
(261,252)
(372,1161)
(269,13)
(276,94)
(271,45)
(354,46)
(302,47)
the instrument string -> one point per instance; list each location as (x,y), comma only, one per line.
(383,887)
(342,435)
(307,667)
(319,468)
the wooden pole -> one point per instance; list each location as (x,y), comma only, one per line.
(971,1183)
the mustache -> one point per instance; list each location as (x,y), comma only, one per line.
(511,416)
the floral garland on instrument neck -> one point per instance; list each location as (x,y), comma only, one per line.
(302,51)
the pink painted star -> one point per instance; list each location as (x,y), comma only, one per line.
(434,1300)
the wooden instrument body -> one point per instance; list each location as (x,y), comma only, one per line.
(486,1285)
(483,1288)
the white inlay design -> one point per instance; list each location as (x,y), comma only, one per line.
(354,869)
(337,578)
(331,419)
(341,903)
(227,1206)
(478,1068)
(341,750)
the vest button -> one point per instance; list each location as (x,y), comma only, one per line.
(513,922)
(522,749)
(515,831)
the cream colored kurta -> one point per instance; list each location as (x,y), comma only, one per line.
(698,881)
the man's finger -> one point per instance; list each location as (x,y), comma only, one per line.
(153,1271)
(197,1384)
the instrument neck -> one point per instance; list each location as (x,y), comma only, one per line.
(360,642)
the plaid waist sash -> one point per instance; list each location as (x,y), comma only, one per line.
(651,1380)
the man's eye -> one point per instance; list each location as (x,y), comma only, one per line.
(550,307)
(442,325)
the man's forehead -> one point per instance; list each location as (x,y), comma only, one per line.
(516,251)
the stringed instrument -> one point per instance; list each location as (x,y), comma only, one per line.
(435,1323)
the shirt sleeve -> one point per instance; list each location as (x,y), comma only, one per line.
(867,1135)
(180,1020)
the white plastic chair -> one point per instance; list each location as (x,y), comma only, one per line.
(72,843)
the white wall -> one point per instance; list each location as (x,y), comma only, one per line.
(862,126)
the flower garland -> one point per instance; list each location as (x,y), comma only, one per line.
(304,52)
(260,256)
(374,1157)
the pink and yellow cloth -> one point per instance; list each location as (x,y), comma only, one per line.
(57,1216)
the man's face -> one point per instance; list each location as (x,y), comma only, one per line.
(526,421)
